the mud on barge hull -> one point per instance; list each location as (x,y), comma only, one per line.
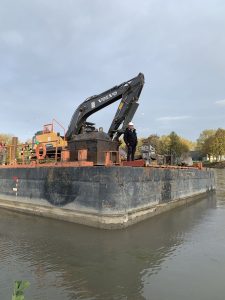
(104,197)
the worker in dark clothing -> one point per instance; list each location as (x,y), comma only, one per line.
(130,139)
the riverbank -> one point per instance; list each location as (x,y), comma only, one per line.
(215,165)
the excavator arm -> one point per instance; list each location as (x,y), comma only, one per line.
(128,92)
(127,107)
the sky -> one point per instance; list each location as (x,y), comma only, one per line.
(54,54)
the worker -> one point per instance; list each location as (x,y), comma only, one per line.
(130,139)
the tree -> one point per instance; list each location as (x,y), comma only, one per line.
(176,146)
(154,141)
(214,145)
(164,145)
(203,137)
(208,147)
(139,144)
(190,144)
(5,138)
(219,143)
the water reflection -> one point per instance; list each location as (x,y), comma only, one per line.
(67,261)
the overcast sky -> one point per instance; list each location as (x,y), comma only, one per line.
(54,54)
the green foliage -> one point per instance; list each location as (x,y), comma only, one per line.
(214,145)
(189,144)
(19,287)
(5,138)
(154,141)
(203,137)
(174,145)
(219,142)
(164,145)
(207,148)
(169,144)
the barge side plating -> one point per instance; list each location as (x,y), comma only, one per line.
(104,197)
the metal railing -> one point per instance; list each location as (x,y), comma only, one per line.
(31,153)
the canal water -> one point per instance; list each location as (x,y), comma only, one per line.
(178,255)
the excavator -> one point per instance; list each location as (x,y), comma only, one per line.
(82,134)
(129,93)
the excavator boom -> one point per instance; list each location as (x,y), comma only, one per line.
(128,92)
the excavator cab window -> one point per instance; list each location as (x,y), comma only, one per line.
(48,128)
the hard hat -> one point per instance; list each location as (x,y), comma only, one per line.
(131,123)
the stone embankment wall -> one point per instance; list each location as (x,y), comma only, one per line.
(220,184)
(105,197)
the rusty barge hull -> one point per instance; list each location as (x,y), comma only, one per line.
(104,197)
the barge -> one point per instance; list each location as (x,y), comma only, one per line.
(108,197)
